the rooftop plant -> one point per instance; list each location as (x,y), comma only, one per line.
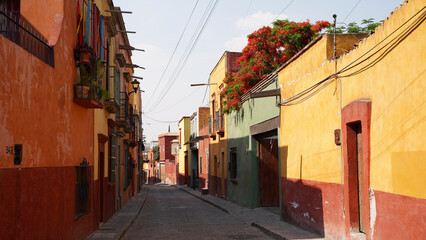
(266,50)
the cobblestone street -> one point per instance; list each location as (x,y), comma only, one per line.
(170,213)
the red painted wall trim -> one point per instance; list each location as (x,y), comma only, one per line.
(357,111)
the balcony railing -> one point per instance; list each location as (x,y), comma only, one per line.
(123,115)
(18,30)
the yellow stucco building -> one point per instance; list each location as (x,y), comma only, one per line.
(184,131)
(351,136)
(218,128)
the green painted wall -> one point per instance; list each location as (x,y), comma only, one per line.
(253,111)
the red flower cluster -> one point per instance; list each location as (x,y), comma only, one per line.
(266,50)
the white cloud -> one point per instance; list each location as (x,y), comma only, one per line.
(236,44)
(257,20)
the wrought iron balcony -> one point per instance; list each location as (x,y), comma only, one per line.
(123,115)
(18,30)
(130,126)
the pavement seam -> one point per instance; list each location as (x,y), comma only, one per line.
(207,201)
(133,220)
(268,232)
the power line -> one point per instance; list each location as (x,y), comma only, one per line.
(203,23)
(160,120)
(176,103)
(205,94)
(174,51)
(288,5)
(351,10)
(188,50)
(307,93)
(244,20)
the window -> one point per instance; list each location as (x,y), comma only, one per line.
(111,166)
(233,164)
(201,165)
(82,190)
(126,166)
(18,30)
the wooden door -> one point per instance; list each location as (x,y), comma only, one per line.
(268,174)
(101,185)
(356,176)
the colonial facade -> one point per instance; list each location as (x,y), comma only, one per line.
(184,133)
(218,128)
(352,151)
(65,170)
(252,147)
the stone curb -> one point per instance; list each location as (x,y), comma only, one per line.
(133,220)
(119,232)
(268,232)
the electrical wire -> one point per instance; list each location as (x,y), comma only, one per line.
(351,10)
(174,51)
(150,107)
(309,92)
(205,94)
(188,51)
(288,5)
(242,24)
(176,103)
(160,120)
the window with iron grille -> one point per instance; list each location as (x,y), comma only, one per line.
(82,190)
(17,29)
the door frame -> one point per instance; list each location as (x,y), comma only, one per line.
(259,137)
(356,112)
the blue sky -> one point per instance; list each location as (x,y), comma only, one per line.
(160,23)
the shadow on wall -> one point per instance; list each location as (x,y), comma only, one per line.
(302,202)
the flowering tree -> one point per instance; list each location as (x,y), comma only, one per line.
(267,48)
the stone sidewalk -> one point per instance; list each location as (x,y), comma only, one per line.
(266,221)
(121,221)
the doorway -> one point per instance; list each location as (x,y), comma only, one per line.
(355,177)
(356,118)
(101,186)
(268,172)
(186,169)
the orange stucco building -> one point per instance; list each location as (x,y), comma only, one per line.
(59,115)
(49,138)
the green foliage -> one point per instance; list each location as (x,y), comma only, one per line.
(92,74)
(156,153)
(367,25)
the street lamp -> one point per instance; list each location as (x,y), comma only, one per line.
(135,84)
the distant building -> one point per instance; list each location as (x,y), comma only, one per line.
(167,175)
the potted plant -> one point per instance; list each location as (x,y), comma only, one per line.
(83,87)
(90,81)
(83,54)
